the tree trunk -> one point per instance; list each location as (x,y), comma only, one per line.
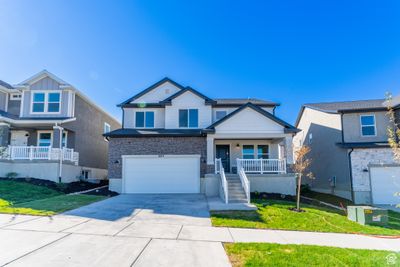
(298,191)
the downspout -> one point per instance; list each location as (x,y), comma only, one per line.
(60,129)
(351,175)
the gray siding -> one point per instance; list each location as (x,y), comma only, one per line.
(85,134)
(3,101)
(45,84)
(352,127)
(26,112)
(328,160)
(154,146)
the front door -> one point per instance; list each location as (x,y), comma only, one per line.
(19,138)
(222,152)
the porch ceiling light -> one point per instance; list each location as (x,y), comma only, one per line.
(237,145)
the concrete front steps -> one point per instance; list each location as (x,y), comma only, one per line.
(236,197)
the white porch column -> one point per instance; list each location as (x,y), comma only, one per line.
(289,149)
(210,150)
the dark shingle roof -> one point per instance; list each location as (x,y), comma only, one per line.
(155,132)
(6,85)
(348,106)
(242,101)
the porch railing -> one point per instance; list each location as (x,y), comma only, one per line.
(39,153)
(243,179)
(220,169)
(262,165)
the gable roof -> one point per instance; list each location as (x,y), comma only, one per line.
(148,89)
(187,89)
(344,107)
(234,102)
(6,85)
(348,106)
(288,127)
(40,75)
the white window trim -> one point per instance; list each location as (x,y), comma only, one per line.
(13,96)
(104,127)
(144,119)
(46,101)
(38,137)
(361,125)
(255,149)
(188,120)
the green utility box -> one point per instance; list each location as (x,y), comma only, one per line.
(367,215)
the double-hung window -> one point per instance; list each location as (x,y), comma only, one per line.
(188,118)
(368,126)
(144,119)
(46,102)
(248,151)
(53,104)
(262,152)
(44,138)
(64,139)
(38,102)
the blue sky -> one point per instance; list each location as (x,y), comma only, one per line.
(292,52)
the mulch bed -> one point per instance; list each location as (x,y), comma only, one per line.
(67,188)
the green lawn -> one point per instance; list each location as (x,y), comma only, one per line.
(262,254)
(25,198)
(275,214)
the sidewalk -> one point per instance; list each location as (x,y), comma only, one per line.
(224,234)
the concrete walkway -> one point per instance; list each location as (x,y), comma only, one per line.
(125,231)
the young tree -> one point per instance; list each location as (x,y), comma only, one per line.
(393,130)
(300,167)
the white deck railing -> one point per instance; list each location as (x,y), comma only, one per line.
(262,165)
(39,153)
(220,169)
(243,179)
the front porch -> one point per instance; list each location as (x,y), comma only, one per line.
(268,155)
(37,141)
(248,163)
(38,153)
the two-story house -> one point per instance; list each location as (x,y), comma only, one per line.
(350,150)
(49,129)
(174,139)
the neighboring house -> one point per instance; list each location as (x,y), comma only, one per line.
(44,113)
(173,136)
(350,151)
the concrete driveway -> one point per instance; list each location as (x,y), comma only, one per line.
(139,230)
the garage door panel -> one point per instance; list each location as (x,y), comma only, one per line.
(385,183)
(162,174)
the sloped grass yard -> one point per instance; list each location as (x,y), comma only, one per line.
(275,214)
(257,254)
(18,197)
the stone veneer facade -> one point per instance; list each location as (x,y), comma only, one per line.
(154,146)
(361,160)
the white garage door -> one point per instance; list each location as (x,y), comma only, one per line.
(385,183)
(166,174)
